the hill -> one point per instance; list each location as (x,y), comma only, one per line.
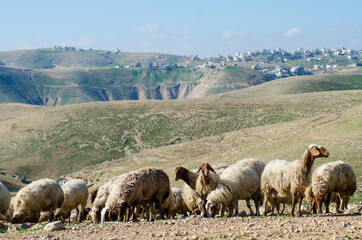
(54,141)
(63,86)
(301,84)
(49,58)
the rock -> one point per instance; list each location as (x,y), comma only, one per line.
(54,226)
(13,228)
(194,237)
(355,208)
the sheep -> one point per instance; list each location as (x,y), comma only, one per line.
(180,206)
(150,185)
(311,200)
(4,200)
(239,181)
(42,195)
(189,195)
(331,177)
(205,183)
(114,194)
(281,178)
(75,194)
(100,196)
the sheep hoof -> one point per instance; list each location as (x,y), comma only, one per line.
(299,214)
(291,214)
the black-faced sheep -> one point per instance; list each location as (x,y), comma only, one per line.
(42,195)
(282,179)
(4,201)
(150,185)
(239,181)
(331,177)
(75,194)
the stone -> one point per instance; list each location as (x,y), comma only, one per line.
(54,226)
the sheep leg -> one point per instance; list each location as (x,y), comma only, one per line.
(249,206)
(236,207)
(294,199)
(282,211)
(319,205)
(313,207)
(327,201)
(51,215)
(265,203)
(276,206)
(341,196)
(338,202)
(222,211)
(300,199)
(231,209)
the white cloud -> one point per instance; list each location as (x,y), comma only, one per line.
(226,34)
(292,32)
(148,28)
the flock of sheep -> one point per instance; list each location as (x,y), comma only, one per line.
(146,192)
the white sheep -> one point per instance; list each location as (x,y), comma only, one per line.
(331,177)
(112,199)
(180,206)
(282,179)
(99,198)
(42,195)
(75,194)
(150,185)
(239,181)
(4,200)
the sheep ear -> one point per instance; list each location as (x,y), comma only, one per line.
(198,170)
(314,151)
(210,168)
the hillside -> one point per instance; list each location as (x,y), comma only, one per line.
(62,86)
(339,131)
(48,58)
(301,84)
(55,141)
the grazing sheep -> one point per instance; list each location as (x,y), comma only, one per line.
(180,206)
(75,194)
(205,183)
(114,194)
(42,195)
(239,181)
(100,197)
(4,200)
(331,177)
(282,179)
(150,185)
(189,195)
(311,200)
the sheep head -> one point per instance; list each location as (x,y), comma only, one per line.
(179,172)
(211,207)
(205,168)
(93,195)
(317,151)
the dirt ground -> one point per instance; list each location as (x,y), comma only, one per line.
(330,226)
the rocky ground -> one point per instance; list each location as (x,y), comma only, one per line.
(327,226)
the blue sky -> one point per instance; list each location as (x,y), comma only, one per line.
(207,28)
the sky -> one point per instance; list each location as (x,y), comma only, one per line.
(188,27)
